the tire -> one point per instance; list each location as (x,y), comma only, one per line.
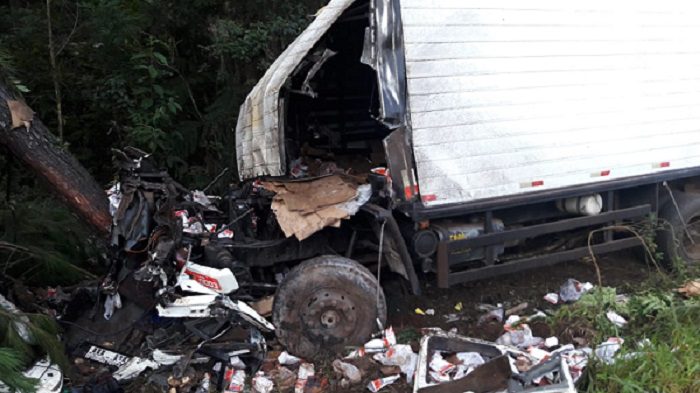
(675,243)
(325,304)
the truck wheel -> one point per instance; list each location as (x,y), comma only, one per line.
(325,304)
(675,244)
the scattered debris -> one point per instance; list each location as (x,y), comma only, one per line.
(378,384)
(484,367)
(606,351)
(690,289)
(458,306)
(306,371)
(494,314)
(286,359)
(301,212)
(133,368)
(517,309)
(572,290)
(616,319)
(552,298)
(204,384)
(21,114)
(449,318)
(347,371)
(235,380)
(283,378)
(264,306)
(520,337)
(262,384)
(400,355)
(551,342)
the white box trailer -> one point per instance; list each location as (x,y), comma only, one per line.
(506,97)
(515,134)
(510,97)
(501,120)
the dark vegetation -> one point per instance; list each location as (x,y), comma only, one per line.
(165,76)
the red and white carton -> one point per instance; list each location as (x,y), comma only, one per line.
(389,337)
(440,365)
(235,380)
(306,371)
(378,384)
(262,384)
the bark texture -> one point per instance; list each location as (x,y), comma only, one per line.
(39,149)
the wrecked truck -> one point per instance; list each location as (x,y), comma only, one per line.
(458,140)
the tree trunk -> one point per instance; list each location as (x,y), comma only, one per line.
(37,148)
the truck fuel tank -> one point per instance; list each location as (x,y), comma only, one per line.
(453,230)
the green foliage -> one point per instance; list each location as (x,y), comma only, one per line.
(668,362)
(17,352)
(11,367)
(591,309)
(408,336)
(167,76)
(44,243)
(650,305)
(662,340)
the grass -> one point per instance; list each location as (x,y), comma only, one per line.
(668,363)
(667,324)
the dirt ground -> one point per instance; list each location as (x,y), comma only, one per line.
(622,270)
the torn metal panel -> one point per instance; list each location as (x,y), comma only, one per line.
(322,59)
(441,341)
(499,372)
(187,307)
(400,162)
(259,136)
(522,383)
(133,368)
(390,62)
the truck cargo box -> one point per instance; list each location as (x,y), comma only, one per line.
(508,97)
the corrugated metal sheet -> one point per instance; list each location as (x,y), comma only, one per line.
(259,140)
(508,97)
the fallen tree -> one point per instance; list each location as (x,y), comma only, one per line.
(28,139)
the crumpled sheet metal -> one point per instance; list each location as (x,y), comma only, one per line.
(499,374)
(259,138)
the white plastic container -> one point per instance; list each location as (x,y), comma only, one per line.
(590,205)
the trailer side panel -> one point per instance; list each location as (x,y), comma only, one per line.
(508,97)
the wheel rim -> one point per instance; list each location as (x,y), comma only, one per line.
(329,313)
